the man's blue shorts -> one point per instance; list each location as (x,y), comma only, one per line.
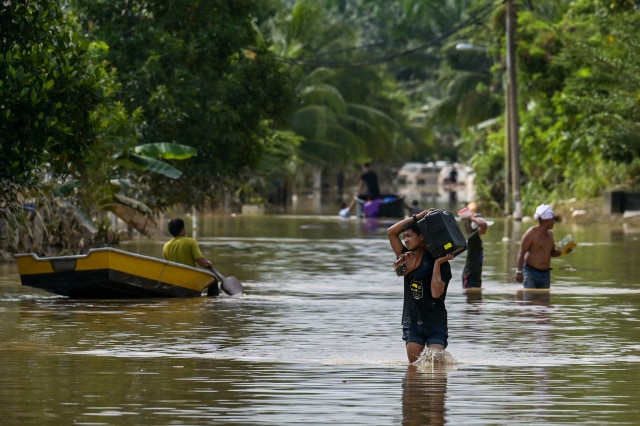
(424,335)
(535,278)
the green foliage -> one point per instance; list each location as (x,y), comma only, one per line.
(445,89)
(42,221)
(271,181)
(148,158)
(49,86)
(59,117)
(581,79)
(344,113)
(485,151)
(202,76)
(263,89)
(166,151)
(578,104)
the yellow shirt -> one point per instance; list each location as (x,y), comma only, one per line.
(183,250)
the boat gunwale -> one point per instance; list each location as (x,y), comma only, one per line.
(37,258)
(105,260)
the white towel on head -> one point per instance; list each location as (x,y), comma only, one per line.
(544,212)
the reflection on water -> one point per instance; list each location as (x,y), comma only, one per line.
(474,295)
(423,396)
(534,296)
(316,338)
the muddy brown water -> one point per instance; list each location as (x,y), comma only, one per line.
(316,338)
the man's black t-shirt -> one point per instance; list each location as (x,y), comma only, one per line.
(419,305)
(370,178)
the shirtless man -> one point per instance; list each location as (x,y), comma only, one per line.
(536,250)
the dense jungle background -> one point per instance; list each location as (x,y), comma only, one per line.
(131,107)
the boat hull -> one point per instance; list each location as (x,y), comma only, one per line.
(108,273)
(393,206)
(390,206)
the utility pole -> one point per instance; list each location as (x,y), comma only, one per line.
(512,110)
(507,149)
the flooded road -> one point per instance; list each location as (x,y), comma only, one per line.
(316,339)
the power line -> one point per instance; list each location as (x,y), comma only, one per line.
(314,61)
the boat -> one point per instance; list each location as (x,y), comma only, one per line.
(109,273)
(392,206)
(388,205)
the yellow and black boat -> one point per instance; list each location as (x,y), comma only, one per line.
(108,273)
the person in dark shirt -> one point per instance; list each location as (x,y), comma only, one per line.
(453,175)
(370,179)
(424,316)
(472,272)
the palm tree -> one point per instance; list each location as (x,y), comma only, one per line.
(334,112)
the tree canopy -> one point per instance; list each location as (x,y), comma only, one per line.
(259,91)
(50,82)
(578,79)
(202,76)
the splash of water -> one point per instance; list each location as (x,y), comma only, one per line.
(431,358)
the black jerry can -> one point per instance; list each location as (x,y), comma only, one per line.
(442,233)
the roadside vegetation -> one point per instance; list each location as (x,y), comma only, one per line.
(133,107)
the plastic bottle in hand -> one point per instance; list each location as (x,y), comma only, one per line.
(567,244)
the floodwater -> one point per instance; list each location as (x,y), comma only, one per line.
(316,339)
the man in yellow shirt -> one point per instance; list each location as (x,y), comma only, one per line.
(181,249)
(185,250)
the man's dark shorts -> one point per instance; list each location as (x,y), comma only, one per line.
(424,335)
(535,278)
